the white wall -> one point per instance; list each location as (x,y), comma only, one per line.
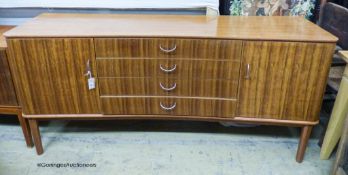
(118,4)
(14,12)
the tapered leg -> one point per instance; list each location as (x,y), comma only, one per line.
(35,131)
(25,128)
(305,133)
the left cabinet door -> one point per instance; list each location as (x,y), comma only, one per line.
(49,75)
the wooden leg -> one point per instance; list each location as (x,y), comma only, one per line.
(335,126)
(35,131)
(305,133)
(25,128)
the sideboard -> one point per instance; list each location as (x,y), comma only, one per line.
(265,70)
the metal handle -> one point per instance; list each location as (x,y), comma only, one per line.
(168,108)
(168,50)
(247,76)
(88,69)
(168,89)
(168,70)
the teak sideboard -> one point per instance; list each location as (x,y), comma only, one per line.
(265,70)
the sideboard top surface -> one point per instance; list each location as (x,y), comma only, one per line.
(278,28)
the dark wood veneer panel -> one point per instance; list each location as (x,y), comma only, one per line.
(49,74)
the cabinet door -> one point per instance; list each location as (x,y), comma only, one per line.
(287,79)
(49,75)
(7,93)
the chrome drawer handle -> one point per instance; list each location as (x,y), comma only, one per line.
(168,70)
(167,108)
(247,76)
(88,69)
(168,50)
(168,89)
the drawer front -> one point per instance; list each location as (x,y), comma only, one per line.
(168,86)
(162,67)
(168,106)
(167,48)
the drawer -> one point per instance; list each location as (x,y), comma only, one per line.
(179,68)
(167,48)
(168,106)
(168,87)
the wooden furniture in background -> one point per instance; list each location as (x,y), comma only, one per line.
(8,100)
(340,165)
(343,3)
(339,112)
(334,19)
(171,68)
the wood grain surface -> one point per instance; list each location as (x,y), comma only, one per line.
(183,87)
(276,28)
(183,48)
(185,68)
(184,106)
(7,91)
(49,75)
(287,80)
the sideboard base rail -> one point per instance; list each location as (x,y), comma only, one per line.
(244,120)
(305,125)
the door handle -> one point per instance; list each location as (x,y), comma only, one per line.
(247,73)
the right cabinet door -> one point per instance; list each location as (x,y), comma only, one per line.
(283,80)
